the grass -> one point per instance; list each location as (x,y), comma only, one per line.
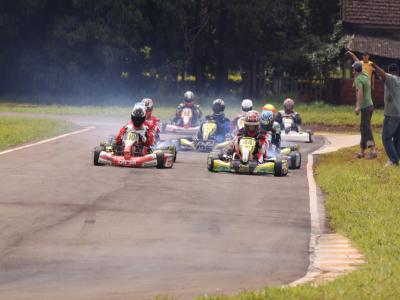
(363,203)
(20,130)
(312,114)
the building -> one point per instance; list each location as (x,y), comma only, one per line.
(371,26)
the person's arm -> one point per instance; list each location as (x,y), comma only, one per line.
(373,80)
(380,71)
(353,56)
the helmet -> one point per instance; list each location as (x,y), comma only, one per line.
(252,121)
(138,115)
(148,103)
(288,105)
(247,105)
(189,98)
(218,106)
(269,107)
(267,117)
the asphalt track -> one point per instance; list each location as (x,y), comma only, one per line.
(70,230)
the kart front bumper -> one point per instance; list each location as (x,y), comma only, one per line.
(252,168)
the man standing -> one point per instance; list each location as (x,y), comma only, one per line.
(364,106)
(391,123)
(367,66)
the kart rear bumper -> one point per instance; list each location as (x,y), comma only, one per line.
(237,167)
(294,136)
(146,161)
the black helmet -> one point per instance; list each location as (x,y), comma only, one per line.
(138,115)
(218,106)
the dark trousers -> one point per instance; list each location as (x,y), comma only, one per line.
(367,138)
(391,138)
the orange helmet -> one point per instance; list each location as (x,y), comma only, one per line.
(269,107)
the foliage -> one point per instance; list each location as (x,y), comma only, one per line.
(82,48)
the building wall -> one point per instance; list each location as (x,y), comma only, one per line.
(341,92)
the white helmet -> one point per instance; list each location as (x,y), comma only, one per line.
(189,96)
(247,105)
(148,103)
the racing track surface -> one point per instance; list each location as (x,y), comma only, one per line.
(70,230)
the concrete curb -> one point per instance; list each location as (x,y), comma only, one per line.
(331,255)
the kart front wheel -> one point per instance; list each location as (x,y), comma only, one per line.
(210,164)
(160,160)
(96,155)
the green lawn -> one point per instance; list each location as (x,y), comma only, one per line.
(315,113)
(363,203)
(19,130)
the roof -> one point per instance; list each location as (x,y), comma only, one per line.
(374,45)
(372,13)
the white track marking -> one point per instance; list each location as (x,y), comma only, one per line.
(47,140)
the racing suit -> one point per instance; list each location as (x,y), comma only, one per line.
(146,136)
(273,129)
(197,114)
(153,124)
(223,127)
(292,114)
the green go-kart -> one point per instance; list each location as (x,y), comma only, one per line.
(244,162)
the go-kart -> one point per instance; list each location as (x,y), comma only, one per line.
(244,162)
(291,132)
(132,154)
(206,142)
(184,126)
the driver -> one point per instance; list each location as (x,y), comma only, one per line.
(288,111)
(136,124)
(151,122)
(218,115)
(269,127)
(188,102)
(252,129)
(247,105)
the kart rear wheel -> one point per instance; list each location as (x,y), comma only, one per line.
(160,160)
(279,171)
(96,155)
(295,160)
(310,139)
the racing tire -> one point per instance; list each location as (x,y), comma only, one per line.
(299,166)
(96,155)
(278,169)
(210,164)
(310,139)
(160,160)
(175,151)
